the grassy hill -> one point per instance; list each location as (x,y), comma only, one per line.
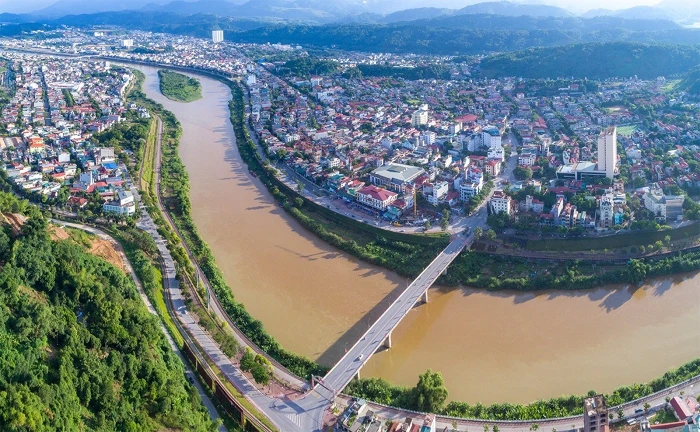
(691,83)
(595,61)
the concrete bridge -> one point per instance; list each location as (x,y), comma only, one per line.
(379,334)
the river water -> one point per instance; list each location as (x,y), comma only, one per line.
(490,347)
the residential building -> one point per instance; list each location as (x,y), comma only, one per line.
(468,190)
(435,192)
(500,203)
(420,116)
(122,205)
(664,207)
(532,205)
(595,414)
(527,159)
(127,43)
(376,198)
(606,213)
(493,167)
(217,36)
(607,151)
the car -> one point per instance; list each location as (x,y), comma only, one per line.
(360,357)
(638,411)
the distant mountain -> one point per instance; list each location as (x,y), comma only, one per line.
(71,7)
(691,83)
(507,8)
(595,61)
(417,14)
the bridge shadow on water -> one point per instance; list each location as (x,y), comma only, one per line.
(349,337)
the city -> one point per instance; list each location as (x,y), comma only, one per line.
(412,164)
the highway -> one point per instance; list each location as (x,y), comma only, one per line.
(341,374)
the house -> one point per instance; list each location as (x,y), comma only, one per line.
(493,167)
(123,204)
(376,198)
(500,203)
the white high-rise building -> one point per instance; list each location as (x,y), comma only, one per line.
(607,151)
(127,43)
(420,116)
(217,36)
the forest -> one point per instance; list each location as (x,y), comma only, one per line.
(178,87)
(594,61)
(78,349)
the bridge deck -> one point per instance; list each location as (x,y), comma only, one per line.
(341,374)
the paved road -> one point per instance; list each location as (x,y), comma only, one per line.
(192,377)
(341,374)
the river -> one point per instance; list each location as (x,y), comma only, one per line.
(490,347)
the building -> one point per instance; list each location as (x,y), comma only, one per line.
(376,198)
(493,167)
(607,152)
(420,116)
(217,36)
(606,212)
(527,159)
(435,192)
(468,190)
(127,43)
(123,205)
(500,203)
(595,414)
(395,176)
(664,207)
(532,205)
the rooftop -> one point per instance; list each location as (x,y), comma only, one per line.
(399,172)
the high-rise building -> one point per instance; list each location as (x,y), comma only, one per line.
(420,116)
(217,36)
(607,151)
(595,414)
(127,43)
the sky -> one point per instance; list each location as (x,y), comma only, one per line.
(19,6)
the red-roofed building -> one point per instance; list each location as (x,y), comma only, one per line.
(375,197)
(669,427)
(680,408)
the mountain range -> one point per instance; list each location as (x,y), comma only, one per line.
(367,11)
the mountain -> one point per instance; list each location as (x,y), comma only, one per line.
(68,7)
(417,14)
(691,82)
(595,61)
(507,8)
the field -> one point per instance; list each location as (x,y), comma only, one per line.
(626,130)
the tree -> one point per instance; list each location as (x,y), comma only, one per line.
(491,235)
(426,225)
(620,414)
(430,392)
(667,240)
(478,232)
(300,186)
(646,407)
(445,221)
(248,360)
(495,428)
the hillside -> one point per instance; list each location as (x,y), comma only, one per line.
(78,349)
(595,61)
(691,83)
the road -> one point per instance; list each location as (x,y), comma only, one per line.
(191,375)
(347,367)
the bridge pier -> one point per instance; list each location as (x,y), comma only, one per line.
(424,297)
(387,341)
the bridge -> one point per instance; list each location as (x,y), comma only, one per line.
(379,334)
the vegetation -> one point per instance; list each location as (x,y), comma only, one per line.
(79,351)
(179,87)
(691,83)
(409,73)
(429,388)
(594,61)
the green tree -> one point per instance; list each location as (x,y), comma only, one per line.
(491,235)
(430,393)
(478,232)
(248,360)
(300,186)
(426,225)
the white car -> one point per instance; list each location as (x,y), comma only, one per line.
(360,357)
